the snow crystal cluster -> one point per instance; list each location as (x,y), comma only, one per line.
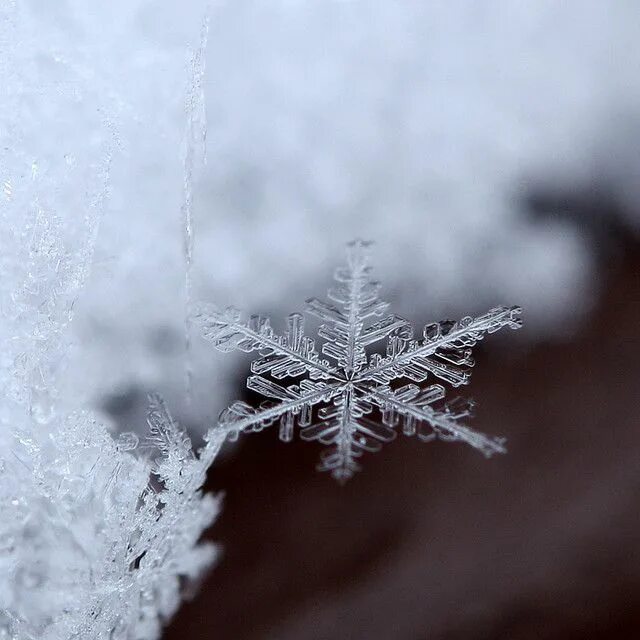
(349,401)
(99,531)
(97,539)
(91,548)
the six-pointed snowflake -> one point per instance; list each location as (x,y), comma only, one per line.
(349,400)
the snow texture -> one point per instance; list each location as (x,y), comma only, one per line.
(97,540)
(349,401)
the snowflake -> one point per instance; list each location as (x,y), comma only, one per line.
(352,401)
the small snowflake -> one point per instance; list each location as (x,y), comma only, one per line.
(352,402)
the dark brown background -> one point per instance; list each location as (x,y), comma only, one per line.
(435,542)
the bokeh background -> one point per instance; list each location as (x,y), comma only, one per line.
(492,152)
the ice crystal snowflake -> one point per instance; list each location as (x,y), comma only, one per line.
(351,401)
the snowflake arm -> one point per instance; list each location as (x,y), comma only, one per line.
(296,403)
(282,356)
(445,350)
(414,406)
(357,300)
(344,427)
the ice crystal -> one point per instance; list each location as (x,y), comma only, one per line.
(350,400)
(194,157)
(95,541)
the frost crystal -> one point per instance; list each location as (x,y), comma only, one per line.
(352,401)
(96,542)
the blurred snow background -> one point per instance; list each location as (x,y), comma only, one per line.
(422,126)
